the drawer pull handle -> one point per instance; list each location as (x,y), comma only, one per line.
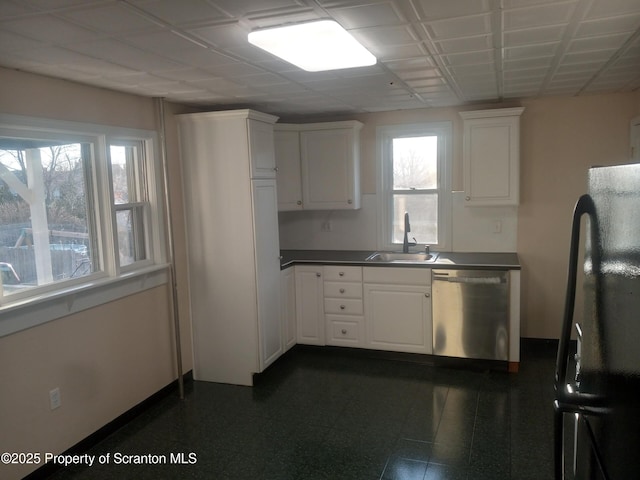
(341,274)
(427,295)
(342,307)
(344,331)
(342,290)
(318,275)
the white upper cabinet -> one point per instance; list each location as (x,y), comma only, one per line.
(491,157)
(289,178)
(261,148)
(328,157)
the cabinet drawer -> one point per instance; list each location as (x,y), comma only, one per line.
(397,276)
(343,289)
(344,330)
(342,274)
(343,306)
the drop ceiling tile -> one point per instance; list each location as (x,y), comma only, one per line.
(238,69)
(609,8)
(50,29)
(112,19)
(432,90)
(586,57)
(262,80)
(426,82)
(627,23)
(204,58)
(538,15)
(388,53)
(531,73)
(526,63)
(467,44)
(531,51)
(471,58)
(409,63)
(517,38)
(48,5)
(187,74)
(161,42)
(578,68)
(9,8)
(247,8)
(183,12)
(127,56)
(14,43)
(393,35)
(607,42)
(439,9)
(418,73)
(361,16)
(520,92)
(460,27)
(225,35)
(465,70)
(282,88)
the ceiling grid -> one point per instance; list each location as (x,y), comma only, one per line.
(430,52)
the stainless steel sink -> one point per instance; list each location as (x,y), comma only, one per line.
(399,257)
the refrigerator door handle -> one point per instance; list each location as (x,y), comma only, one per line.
(568,400)
(584,206)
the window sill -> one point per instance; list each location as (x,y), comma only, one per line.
(36,310)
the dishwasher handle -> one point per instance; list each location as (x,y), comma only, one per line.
(481,280)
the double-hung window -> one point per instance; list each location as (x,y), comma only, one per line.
(79,204)
(126,161)
(414,185)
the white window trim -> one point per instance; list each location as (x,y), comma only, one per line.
(384,135)
(45,303)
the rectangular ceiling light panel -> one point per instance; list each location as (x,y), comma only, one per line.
(313,46)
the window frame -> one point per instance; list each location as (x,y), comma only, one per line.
(384,139)
(109,281)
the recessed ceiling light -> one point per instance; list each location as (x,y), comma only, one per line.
(314,46)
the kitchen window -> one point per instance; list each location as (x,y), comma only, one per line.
(414,178)
(78,208)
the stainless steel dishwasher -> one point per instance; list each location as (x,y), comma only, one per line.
(471,313)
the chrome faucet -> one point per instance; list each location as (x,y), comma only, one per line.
(407,228)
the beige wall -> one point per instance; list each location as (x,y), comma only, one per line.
(107,359)
(560,139)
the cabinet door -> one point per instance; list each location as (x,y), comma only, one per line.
(491,157)
(288,299)
(309,305)
(289,178)
(398,317)
(261,149)
(267,268)
(329,169)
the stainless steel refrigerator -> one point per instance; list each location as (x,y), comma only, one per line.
(597,405)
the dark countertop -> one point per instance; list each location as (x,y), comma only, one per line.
(455,260)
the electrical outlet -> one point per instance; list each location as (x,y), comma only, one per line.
(497,226)
(54,398)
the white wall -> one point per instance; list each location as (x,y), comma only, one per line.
(472,228)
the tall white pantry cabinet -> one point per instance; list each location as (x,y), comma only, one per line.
(232,239)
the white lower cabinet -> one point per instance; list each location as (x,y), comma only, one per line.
(288,307)
(309,305)
(343,307)
(397,309)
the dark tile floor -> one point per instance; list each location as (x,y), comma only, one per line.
(319,414)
